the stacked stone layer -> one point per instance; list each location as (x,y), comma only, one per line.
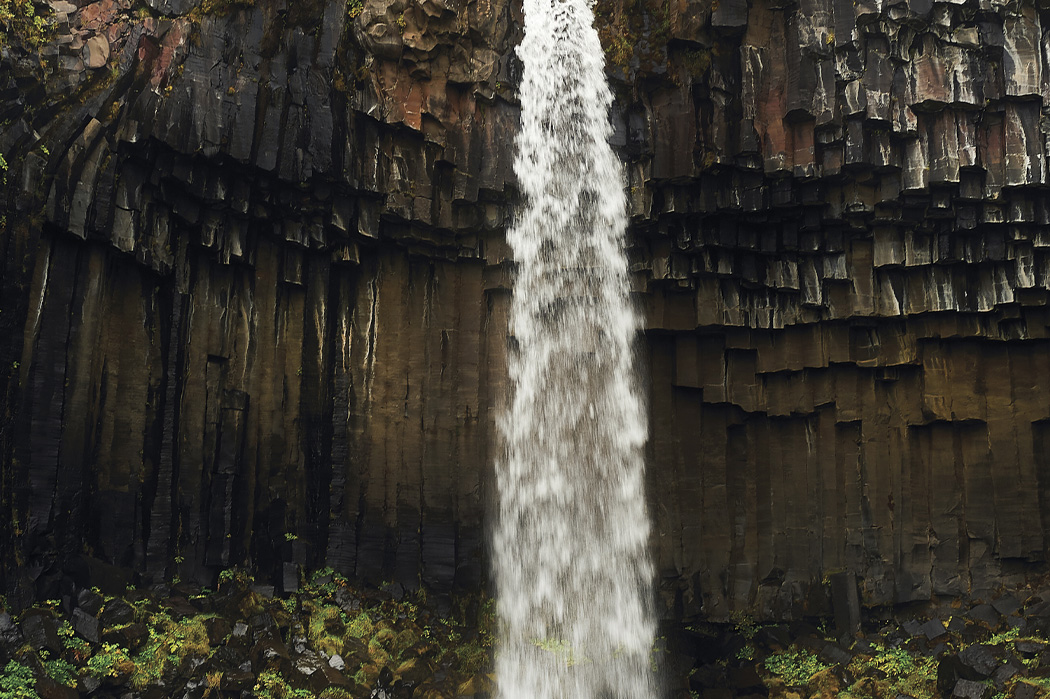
(255,289)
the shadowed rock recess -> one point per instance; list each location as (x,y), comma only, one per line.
(255,290)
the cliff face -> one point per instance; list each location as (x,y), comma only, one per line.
(255,284)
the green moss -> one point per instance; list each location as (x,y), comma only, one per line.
(111,661)
(17,682)
(361,626)
(61,671)
(270,685)
(21,21)
(795,666)
(892,671)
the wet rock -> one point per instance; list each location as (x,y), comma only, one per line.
(1023,690)
(10,636)
(46,688)
(130,636)
(979,661)
(985,614)
(240,678)
(86,626)
(933,629)
(40,631)
(90,602)
(968,689)
(116,613)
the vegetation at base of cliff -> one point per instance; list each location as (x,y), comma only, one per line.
(331,639)
(17,682)
(23,22)
(794,666)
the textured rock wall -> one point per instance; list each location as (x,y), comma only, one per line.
(842,239)
(255,286)
(255,321)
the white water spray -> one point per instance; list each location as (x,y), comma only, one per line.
(572,569)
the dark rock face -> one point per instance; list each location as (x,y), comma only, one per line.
(255,283)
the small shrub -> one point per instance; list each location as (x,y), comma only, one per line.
(61,671)
(17,682)
(795,666)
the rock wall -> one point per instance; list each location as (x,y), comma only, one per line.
(254,290)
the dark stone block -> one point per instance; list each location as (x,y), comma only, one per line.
(116,613)
(984,614)
(1003,673)
(290,577)
(1023,690)
(132,636)
(968,689)
(980,660)
(1008,604)
(10,636)
(835,655)
(1029,649)
(90,602)
(263,590)
(86,626)
(933,629)
(845,601)
(912,627)
(40,631)
(745,678)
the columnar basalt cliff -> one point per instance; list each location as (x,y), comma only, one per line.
(255,287)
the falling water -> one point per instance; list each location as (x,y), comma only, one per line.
(571,558)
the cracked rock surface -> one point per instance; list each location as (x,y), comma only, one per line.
(254,290)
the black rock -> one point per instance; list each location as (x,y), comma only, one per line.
(980,660)
(1023,690)
(263,591)
(290,577)
(90,602)
(238,678)
(88,684)
(984,614)
(836,656)
(1003,673)
(47,688)
(933,629)
(180,607)
(745,678)
(134,636)
(40,631)
(116,613)
(912,627)
(86,626)
(1006,605)
(717,693)
(1029,649)
(395,590)
(968,689)
(10,636)
(217,628)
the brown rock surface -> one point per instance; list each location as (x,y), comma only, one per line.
(255,284)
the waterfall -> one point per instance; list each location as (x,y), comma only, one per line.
(570,544)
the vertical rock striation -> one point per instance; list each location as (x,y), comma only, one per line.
(254,294)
